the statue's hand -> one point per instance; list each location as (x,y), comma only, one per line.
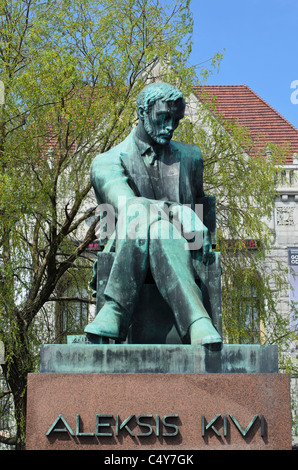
(184,215)
(193,229)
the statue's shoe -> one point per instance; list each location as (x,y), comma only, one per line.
(111,321)
(202,332)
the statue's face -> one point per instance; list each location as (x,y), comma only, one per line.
(162,119)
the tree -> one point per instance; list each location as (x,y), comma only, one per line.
(72,71)
(244,180)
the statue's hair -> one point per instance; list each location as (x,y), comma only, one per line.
(158,91)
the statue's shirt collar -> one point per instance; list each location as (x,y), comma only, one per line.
(143,146)
(150,153)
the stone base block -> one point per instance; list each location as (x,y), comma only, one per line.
(158,411)
(128,358)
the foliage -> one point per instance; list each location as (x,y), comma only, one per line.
(245,190)
(72,71)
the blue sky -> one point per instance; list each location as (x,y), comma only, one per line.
(261,42)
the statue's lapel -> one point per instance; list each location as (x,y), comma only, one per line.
(171,173)
(136,171)
(139,178)
(185,186)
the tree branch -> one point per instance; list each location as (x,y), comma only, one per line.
(70,299)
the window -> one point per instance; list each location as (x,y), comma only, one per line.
(5,406)
(71,314)
(74,315)
(250,307)
(244,304)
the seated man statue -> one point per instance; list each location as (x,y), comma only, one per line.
(163,179)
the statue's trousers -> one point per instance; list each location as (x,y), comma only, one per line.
(155,243)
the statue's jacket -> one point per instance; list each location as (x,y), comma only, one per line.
(121,173)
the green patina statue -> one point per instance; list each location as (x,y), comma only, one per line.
(157,182)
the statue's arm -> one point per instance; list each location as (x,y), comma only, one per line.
(198,164)
(109,180)
(198,171)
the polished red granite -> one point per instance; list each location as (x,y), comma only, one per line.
(158,411)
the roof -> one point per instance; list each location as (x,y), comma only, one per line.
(240,103)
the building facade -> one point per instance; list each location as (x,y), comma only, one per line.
(238,103)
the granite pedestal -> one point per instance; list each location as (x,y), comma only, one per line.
(145,397)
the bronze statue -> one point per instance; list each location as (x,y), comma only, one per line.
(163,179)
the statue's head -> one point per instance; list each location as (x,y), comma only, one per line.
(160,108)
